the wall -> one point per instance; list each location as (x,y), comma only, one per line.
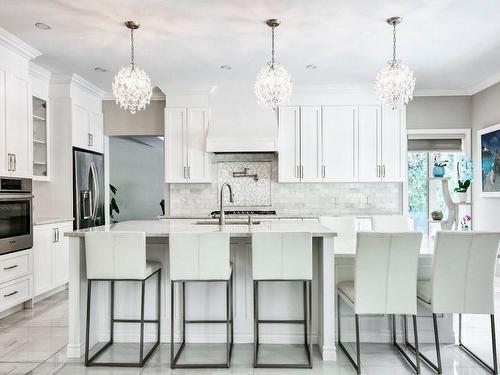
(439,112)
(136,170)
(302,199)
(485,112)
(149,121)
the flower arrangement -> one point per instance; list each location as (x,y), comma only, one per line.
(438,170)
(465,174)
(465,222)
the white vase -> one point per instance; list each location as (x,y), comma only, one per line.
(461,197)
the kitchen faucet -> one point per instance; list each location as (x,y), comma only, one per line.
(222,218)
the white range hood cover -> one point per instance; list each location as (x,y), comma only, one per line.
(238,123)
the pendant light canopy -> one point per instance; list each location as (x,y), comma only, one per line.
(273,86)
(132,86)
(395,82)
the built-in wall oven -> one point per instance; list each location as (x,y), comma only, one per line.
(16,214)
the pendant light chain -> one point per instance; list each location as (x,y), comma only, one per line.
(272,48)
(132,48)
(394,43)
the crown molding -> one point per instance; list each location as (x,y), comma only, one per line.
(483,85)
(442,92)
(39,72)
(16,45)
(72,78)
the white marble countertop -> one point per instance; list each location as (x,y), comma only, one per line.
(163,228)
(50,220)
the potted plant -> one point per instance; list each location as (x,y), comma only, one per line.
(437,215)
(461,190)
(113,206)
(438,170)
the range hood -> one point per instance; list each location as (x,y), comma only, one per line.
(238,123)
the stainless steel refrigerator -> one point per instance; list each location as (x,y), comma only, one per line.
(88,188)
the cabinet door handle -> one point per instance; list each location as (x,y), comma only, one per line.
(10,267)
(57,235)
(324,172)
(189,172)
(379,171)
(9,157)
(10,294)
(15,162)
(383,171)
(297,172)
(54,235)
(301,171)
(184,173)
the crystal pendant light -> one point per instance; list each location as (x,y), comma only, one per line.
(395,82)
(273,86)
(132,86)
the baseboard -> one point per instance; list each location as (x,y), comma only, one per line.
(49,293)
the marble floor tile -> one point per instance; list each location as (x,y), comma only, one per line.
(33,341)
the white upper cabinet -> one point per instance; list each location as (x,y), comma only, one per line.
(4,159)
(289,144)
(18,132)
(339,146)
(393,144)
(369,168)
(197,156)
(186,158)
(310,144)
(87,129)
(96,132)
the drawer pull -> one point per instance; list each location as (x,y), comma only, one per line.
(9,268)
(10,294)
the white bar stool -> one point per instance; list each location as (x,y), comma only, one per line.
(120,256)
(462,282)
(385,282)
(200,257)
(283,257)
(391,223)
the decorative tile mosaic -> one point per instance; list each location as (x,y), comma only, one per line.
(248,191)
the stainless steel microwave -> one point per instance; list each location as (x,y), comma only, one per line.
(16,214)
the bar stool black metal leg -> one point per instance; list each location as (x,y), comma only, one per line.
(158,308)
(494,369)
(255,322)
(310,322)
(172,298)
(357,364)
(87,323)
(141,349)
(112,312)
(438,368)
(415,365)
(228,327)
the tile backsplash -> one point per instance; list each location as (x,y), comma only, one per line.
(288,199)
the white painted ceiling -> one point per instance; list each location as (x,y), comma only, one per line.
(452,45)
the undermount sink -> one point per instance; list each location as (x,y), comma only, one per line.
(228,222)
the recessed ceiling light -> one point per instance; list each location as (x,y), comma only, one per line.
(226,67)
(42,26)
(311,66)
(100,70)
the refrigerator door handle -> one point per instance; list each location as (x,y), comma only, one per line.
(95,180)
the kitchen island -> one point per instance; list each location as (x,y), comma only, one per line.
(283,301)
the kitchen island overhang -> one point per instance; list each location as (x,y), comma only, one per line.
(200,298)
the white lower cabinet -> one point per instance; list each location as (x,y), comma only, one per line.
(16,278)
(51,256)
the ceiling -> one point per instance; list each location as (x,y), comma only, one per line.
(453,46)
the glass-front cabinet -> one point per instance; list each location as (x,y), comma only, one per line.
(40,140)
